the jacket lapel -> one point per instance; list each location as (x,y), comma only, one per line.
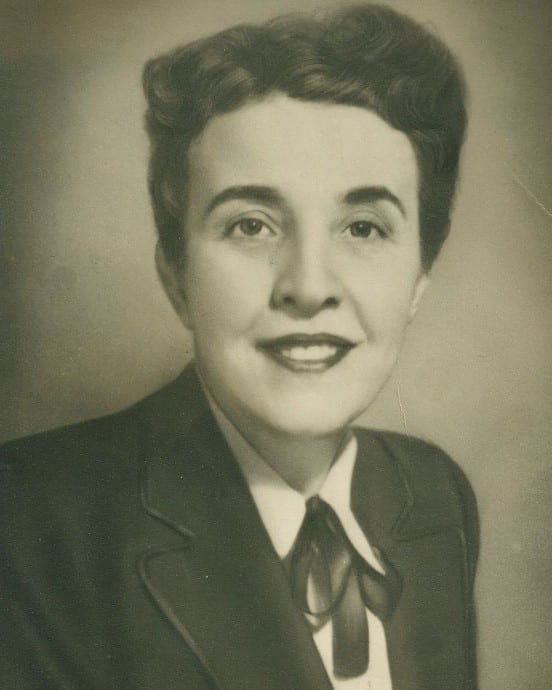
(218,580)
(220,583)
(402,517)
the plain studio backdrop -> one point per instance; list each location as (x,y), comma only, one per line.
(86,329)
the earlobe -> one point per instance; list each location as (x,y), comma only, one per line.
(171,279)
(419,290)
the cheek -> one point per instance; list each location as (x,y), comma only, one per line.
(383,302)
(223,292)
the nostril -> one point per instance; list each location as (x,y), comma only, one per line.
(304,302)
(331,302)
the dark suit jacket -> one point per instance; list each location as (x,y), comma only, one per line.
(133,556)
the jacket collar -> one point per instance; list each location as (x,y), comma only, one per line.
(221,580)
(387,497)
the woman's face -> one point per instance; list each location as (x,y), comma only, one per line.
(302,266)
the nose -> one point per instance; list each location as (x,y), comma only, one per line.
(306,283)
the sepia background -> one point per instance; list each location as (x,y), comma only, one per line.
(85,328)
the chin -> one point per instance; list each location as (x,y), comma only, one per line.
(322,411)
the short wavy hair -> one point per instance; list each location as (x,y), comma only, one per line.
(366,55)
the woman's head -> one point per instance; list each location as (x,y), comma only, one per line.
(367,56)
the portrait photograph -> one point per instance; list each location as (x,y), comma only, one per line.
(275,345)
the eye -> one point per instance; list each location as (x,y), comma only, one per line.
(364,229)
(250,227)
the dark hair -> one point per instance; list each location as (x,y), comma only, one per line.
(366,55)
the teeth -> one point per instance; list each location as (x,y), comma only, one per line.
(309,353)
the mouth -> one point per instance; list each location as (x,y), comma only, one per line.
(306,352)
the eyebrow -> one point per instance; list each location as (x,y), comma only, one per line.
(255,193)
(368,195)
(272,197)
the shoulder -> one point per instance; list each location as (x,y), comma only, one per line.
(64,447)
(65,475)
(408,449)
(71,485)
(424,465)
(94,456)
(114,434)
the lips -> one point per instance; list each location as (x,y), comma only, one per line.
(307,352)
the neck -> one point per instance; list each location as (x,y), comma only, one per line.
(302,462)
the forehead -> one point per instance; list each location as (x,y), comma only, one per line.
(302,148)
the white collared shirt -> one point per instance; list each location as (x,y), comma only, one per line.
(282,510)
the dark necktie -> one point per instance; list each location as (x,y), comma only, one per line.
(330,579)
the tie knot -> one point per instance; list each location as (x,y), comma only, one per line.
(322,561)
(314,504)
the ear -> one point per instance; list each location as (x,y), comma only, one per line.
(418,293)
(170,275)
